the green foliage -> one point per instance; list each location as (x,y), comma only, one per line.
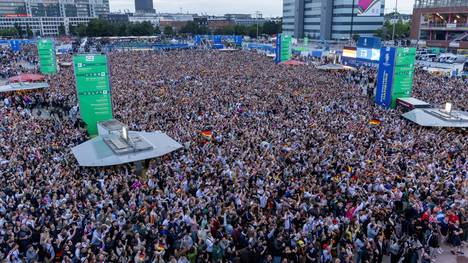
(9,32)
(194,28)
(271,28)
(168,31)
(402,30)
(19,30)
(61,30)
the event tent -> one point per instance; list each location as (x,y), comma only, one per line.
(27,78)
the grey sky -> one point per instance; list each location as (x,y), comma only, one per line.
(219,7)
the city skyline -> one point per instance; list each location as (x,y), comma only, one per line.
(274,8)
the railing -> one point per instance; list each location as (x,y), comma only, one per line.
(444,25)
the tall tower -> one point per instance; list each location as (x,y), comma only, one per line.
(144,6)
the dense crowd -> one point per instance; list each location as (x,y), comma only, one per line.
(293,171)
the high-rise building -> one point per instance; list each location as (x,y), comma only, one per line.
(441,23)
(144,6)
(53,8)
(50,17)
(332,19)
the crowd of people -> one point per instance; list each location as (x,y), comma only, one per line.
(292,170)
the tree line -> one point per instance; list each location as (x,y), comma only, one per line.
(103,28)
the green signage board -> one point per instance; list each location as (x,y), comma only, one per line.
(286,48)
(47,59)
(306,41)
(93,89)
(403,74)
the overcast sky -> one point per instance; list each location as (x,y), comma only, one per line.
(220,7)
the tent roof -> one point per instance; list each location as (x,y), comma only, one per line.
(292,63)
(26,78)
(21,86)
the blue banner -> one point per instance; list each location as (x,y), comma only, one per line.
(278,49)
(198,39)
(15,45)
(383,95)
(238,40)
(369,42)
(217,39)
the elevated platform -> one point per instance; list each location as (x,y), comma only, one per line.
(413,103)
(114,150)
(432,117)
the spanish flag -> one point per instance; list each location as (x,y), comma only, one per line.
(207,134)
(375,122)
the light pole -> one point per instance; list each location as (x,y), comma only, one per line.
(257,16)
(352,22)
(395,14)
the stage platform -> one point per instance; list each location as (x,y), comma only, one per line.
(113,150)
(433,117)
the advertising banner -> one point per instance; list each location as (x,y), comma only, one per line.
(403,73)
(278,49)
(47,59)
(93,89)
(369,8)
(383,95)
(369,42)
(368,54)
(15,45)
(286,48)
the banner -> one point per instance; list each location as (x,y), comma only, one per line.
(403,74)
(47,59)
(395,75)
(93,89)
(383,95)
(369,8)
(286,48)
(15,45)
(369,42)
(278,49)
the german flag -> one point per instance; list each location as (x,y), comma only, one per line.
(375,122)
(207,134)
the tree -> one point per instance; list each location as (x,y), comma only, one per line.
(271,28)
(29,32)
(402,30)
(157,30)
(81,30)
(190,27)
(168,31)
(9,32)
(19,30)
(61,30)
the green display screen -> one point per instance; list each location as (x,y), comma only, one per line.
(93,88)
(47,59)
(286,51)
(403,74)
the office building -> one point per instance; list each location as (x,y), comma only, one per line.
(441,23)
(144,6)
(49,17)
(53,8)
(332,19)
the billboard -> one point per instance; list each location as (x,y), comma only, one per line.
(395,75)
(369,8)
(383,95)
(368,54)
(47,59)
(403,73)
(286,48)
(93,89)
(350,52)
(369,42)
